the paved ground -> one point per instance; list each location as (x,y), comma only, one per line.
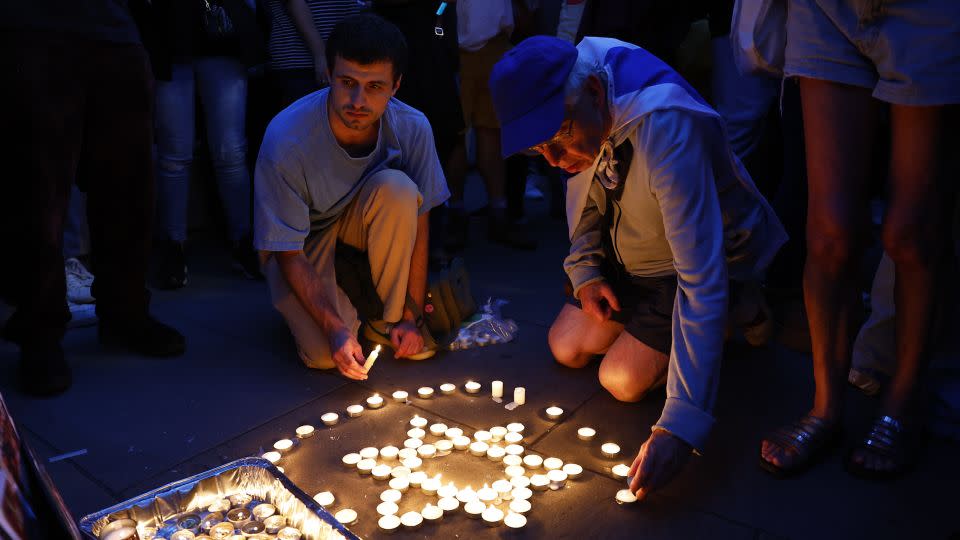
(240,387)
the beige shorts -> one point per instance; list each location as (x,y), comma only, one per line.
(475,69)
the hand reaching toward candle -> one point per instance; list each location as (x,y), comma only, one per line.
(659,460)
(347,354)
(406,339)
(598,300)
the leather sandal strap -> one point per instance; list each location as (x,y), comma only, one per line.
(803,436)
(886,437)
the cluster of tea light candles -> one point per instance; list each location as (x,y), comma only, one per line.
(402,467)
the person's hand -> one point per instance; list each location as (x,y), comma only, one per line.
(406,339)
(659,460)
(347,354)
(598,300)
(320,70)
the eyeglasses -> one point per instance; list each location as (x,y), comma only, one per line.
(560,139)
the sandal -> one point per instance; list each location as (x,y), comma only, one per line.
(887,439)
(810,437)
(372,331)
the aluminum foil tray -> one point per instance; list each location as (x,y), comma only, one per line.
(254,476)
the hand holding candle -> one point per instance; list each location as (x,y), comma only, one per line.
(347,354)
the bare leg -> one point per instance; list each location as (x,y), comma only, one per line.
(490,163)
(576,337)
(631,368)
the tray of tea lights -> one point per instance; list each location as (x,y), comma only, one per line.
(248,498)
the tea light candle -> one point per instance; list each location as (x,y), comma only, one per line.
(610,449)
(225,529)
(444,446)
(487,494)
(324,498)
(412,463)
(552,463)
(461,443)
(586,433)
(388,524)
(492,516)
(375,401)
(427,451)
(521,493)
(252,528)
(238,515)
(514,449)
(411,520)
(466,495)
(453,433)
(532,461)
(291,533)
(520,395)
(390,495)
(479,448)
(369,452)
(179,535)
(513,437)
(430,486)
(513,471)
(330,418)
(511,459)
(449,490)
(305,431)
(515,427)
(496,389)
(412,443)
(474,508)
(448,388)
(400,484)
(272,457)
(191,522)
(515,520)
(365,466)
(354,411)
(497,433)
(417,478)
(625,496)
(620,470)
(431,513)
(263,511)
(539,482)
(520,481)
(351,460)
(371,359)
(418,421)
(482,436)
(381,472)
(283,445)
(400,395)
(438,430)
(389,453)
(407,453)
(503,488)
(557,479)
(387,509)
(448,504)
(425,392)
(573,470)
(220,505)
(472,387)
(347,516)
(416,433)
(520,506)
(400,472)
(495,453)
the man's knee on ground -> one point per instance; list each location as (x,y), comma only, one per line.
(395,186)
(622,383)
(317,359)
(565,350)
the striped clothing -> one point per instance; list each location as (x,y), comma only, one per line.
(285,45)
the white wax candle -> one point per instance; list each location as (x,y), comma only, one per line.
(305,431)
(449,490)
(557,479)
(474,508)
(554,413)
(521,493)
(520,481)
(431,512)
(453,433)
(539,482)
(354,411)
(461,443)
(532,461)
(515,520)
(417,478)
(514,470)
(412,463)
(487,494)
(272,457)
(400,472)
(371,358)
(281,469)
(389,523)
(620,470)
(444,446)
(492,516)
(425,392)
(387,509)
(427,451)
(515,427)
(573,470)
(511,459)
(293,533)
(513,437)
(520,395)
(586,433)
(366,466)
(437,430)
(389,453)
(610,449)
(324,498)
(497,433)
(495,453)
(520,506)
(370,452)
(391,495)
(479,448)
(514,449)
(283,445)
(416,433)
(407,453)
(418,421)
(375,401)
(399,483)
(400,395)
(430,486)
(448,504)
(347,516)
(466,495)
(351,460)
(448,388)
(496,389)
(263,511)
(625,496)
(503,489)
(482,436)
(411,520)
(330,418)
(381,472)
(552,463)
(472,387)
(412,443)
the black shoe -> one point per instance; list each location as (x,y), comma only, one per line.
(456,232)
(172,271)
(512,235)
(246,260)
(43,370)
(146,336)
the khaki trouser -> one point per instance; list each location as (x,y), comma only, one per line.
(382,221)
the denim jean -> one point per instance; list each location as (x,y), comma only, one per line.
(222,85)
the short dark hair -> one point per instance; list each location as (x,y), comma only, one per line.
(366,39)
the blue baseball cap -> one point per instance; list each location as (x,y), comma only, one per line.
(527,89)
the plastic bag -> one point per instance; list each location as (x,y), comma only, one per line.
(488,327)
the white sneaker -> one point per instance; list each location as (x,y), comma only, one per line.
(79,280)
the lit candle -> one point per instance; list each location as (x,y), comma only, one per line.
(461,443)
(554,413)
(496,389)
(492,516)
(351,460)
(370,452)
(482,436)
(371,359)
(448,388)
(497,433)
(305,431)
(448,504)
(416,433)
(573,470)
(324,498)
(387,509)
(388,524)
(431,513)
(448,490)
(586,433)
(620,470)
(412,463)
(412,443)
(487,494)
(427,451)
(418,421)
(253,528)
(411,520)
(532,461)
(437,430)
(272,457)
(375,401)
(557,479)
(515,427)
(400,395)
(220,505)
(503,489)
(520,395)
(539,482)
(330,418)
(511,459)
(389,453)
(520,506)
(400,483)
(425,392)
(347,516)
(610,449)
(474,508)
(521,493)
(453,433)
(417,478)
(472,387)
(513,437)
(514,450)
(520,481)
(283,445)
(444,446)
(178,535)
(225,529)
(391,495)
(381,472)
(400,472)
(495,453)
(625,496)
(552,463)
(515,520)
(466,495)
(263,511)
(478,448)
(238,515)
(366,466)
(513,471)
(407,453)
(292,533)
(354,411)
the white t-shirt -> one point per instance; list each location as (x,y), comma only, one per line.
(478,21)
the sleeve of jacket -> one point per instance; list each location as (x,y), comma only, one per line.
(582,265)
(678,146)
